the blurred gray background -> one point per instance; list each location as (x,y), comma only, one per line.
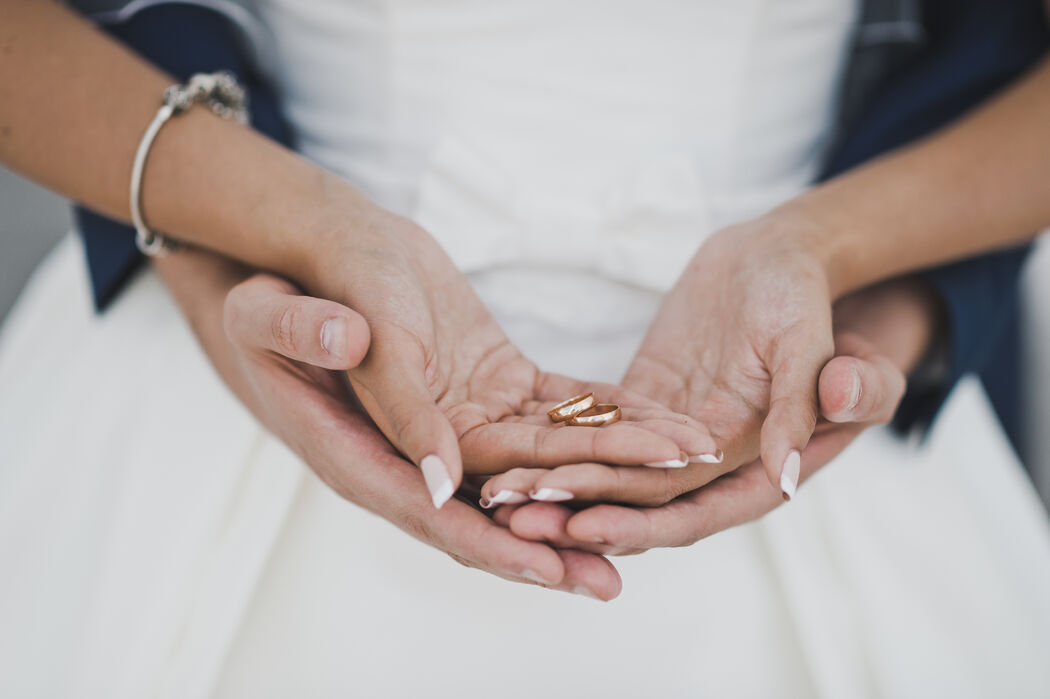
(32,220)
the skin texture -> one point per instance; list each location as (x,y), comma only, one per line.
(880,335)
(449,384)
(438,384)
(265,341)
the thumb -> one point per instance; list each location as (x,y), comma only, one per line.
(859,385)
(264,313)
(392,388)
(795,366)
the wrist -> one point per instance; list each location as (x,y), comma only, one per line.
(827,238)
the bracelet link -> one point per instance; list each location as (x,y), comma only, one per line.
(221,93)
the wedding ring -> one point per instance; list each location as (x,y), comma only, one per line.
(575,405)
(598,416)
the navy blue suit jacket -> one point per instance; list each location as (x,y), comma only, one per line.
(971,49)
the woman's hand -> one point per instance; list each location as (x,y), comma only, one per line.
(880,334)
(443,382)
(738,345)
(739,342)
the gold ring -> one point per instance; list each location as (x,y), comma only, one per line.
(598,416)
(575,405)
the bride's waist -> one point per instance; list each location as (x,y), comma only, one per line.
(568,321)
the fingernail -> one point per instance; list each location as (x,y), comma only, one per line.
(584,591)
(714,458)
(438,482)
(789,474)
(854,390)
(333,337)
(504,497)
(681,461)
(534,577)
(598,540)
(551,495)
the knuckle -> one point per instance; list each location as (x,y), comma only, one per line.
(283,330)
(406,418)
(416,525)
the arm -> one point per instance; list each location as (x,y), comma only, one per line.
(977,186)
(56,65)
(970,53)
(441,380)
(161,34)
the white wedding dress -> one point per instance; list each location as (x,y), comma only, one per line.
(156,542)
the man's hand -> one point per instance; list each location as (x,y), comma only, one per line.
(277,342)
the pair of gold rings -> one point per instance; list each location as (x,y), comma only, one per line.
(584,410)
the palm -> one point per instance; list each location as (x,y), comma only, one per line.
(435,343)
(720,337)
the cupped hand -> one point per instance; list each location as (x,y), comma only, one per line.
(287,346)
(737,345)
(880,334)
(446,386)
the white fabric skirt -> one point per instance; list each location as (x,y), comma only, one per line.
(156,542)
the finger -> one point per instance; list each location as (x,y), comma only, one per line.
(497,550)
(546,523)
(392,388)
(264,313)
(861,389)
(681,522)
(696,441)
(543,522)
(795,365)
(496,447)
(737,498)
(691,437)
(593,482)
(510,488)
(388,485)
(589,575)
(502,514)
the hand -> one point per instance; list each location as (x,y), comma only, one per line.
(285,346)
(880,334)
(441,379)
(737,344)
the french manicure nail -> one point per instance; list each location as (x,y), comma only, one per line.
(438,482)
(716,457)
(551,495)
(854,390)
(681,461)
(789,474)
(584,591)
(333,337)
(504,497)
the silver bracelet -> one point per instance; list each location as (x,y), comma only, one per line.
(219,92)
